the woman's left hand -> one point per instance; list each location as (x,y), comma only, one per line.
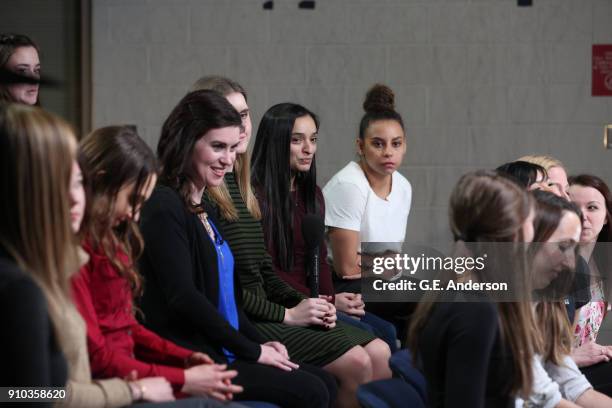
(279,347)
(591,353)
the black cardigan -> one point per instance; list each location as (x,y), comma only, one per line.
(31,356)
(179,265)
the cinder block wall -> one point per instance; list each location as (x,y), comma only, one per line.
(479,82)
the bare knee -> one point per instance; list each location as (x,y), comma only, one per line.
(378,351)
(353,367)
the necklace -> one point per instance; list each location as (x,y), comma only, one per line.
(204,218)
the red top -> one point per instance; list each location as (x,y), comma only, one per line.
(116,342)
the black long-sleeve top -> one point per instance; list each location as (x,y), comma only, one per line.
(179,265)
(465,362)
(31,356)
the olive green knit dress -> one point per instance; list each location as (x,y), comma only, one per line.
(266,295)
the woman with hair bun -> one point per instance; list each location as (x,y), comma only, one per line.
(360,197)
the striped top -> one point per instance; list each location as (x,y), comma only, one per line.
(265,295)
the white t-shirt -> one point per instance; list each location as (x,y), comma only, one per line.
(544,392)
(350,203)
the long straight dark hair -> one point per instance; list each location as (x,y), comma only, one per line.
(271,177)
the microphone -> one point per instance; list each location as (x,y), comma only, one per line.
(313,230)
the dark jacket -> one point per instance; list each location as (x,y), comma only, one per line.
(179,265)
(31,353)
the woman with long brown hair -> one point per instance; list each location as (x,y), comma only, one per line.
(37,251)
(82,390)
(122,172)
(557,232)
(193,293)
(478,354)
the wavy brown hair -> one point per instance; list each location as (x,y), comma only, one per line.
(111,158)
(242,167)
(486,207)
(37,150)
(194,116)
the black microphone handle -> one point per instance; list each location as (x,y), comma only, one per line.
(314,274)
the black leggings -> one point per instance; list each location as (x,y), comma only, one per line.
(600,377)
(309,386)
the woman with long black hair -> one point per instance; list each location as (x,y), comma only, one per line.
(284,179)
(193,296)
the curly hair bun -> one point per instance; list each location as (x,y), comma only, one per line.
(379,98)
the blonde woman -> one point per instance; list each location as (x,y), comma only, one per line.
(36,250)
(557,175)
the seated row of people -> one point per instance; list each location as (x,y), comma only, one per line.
(478,352)
(193,298)
(206,295)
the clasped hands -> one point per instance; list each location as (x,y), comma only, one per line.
(322,312)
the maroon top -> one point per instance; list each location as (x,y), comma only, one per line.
(296,277)
(116,342)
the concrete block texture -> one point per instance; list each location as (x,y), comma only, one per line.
(116,66)
(333,65)
(393,24)
(328,23)
(183,65)
(410,102)
(323,101)
(602,29)
(478,82)
(268,64)
(227,22)
(445,65)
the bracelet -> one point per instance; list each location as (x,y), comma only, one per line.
(141,390)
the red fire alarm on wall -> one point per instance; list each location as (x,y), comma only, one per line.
(602,70)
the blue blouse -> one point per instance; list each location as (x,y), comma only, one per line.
(227,299)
